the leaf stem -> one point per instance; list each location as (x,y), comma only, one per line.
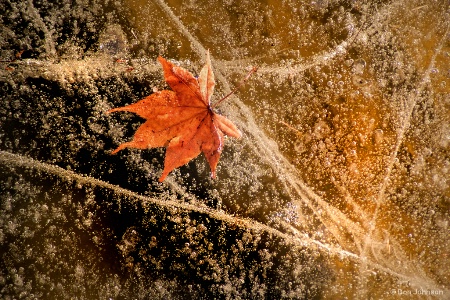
(253,70)
(298,132)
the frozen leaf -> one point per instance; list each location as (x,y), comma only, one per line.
(340,188)
(181,120)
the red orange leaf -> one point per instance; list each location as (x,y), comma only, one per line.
(181,120)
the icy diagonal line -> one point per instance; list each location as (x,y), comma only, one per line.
(413,97)
(266,148)
(12,161)
(297,239)
(331,217)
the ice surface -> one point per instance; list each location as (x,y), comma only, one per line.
(338,189)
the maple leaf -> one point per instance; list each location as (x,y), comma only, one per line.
(181,120)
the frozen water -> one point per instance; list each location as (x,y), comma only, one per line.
(338,189)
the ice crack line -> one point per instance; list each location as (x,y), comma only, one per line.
(296,239)
(414,97)
(262,146)
(331,217)
(12,161)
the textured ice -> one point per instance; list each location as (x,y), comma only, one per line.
(338,189)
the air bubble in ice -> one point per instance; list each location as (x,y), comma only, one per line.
(359,66)
(358,81)
(113,41)
(378,137)
(321,129)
